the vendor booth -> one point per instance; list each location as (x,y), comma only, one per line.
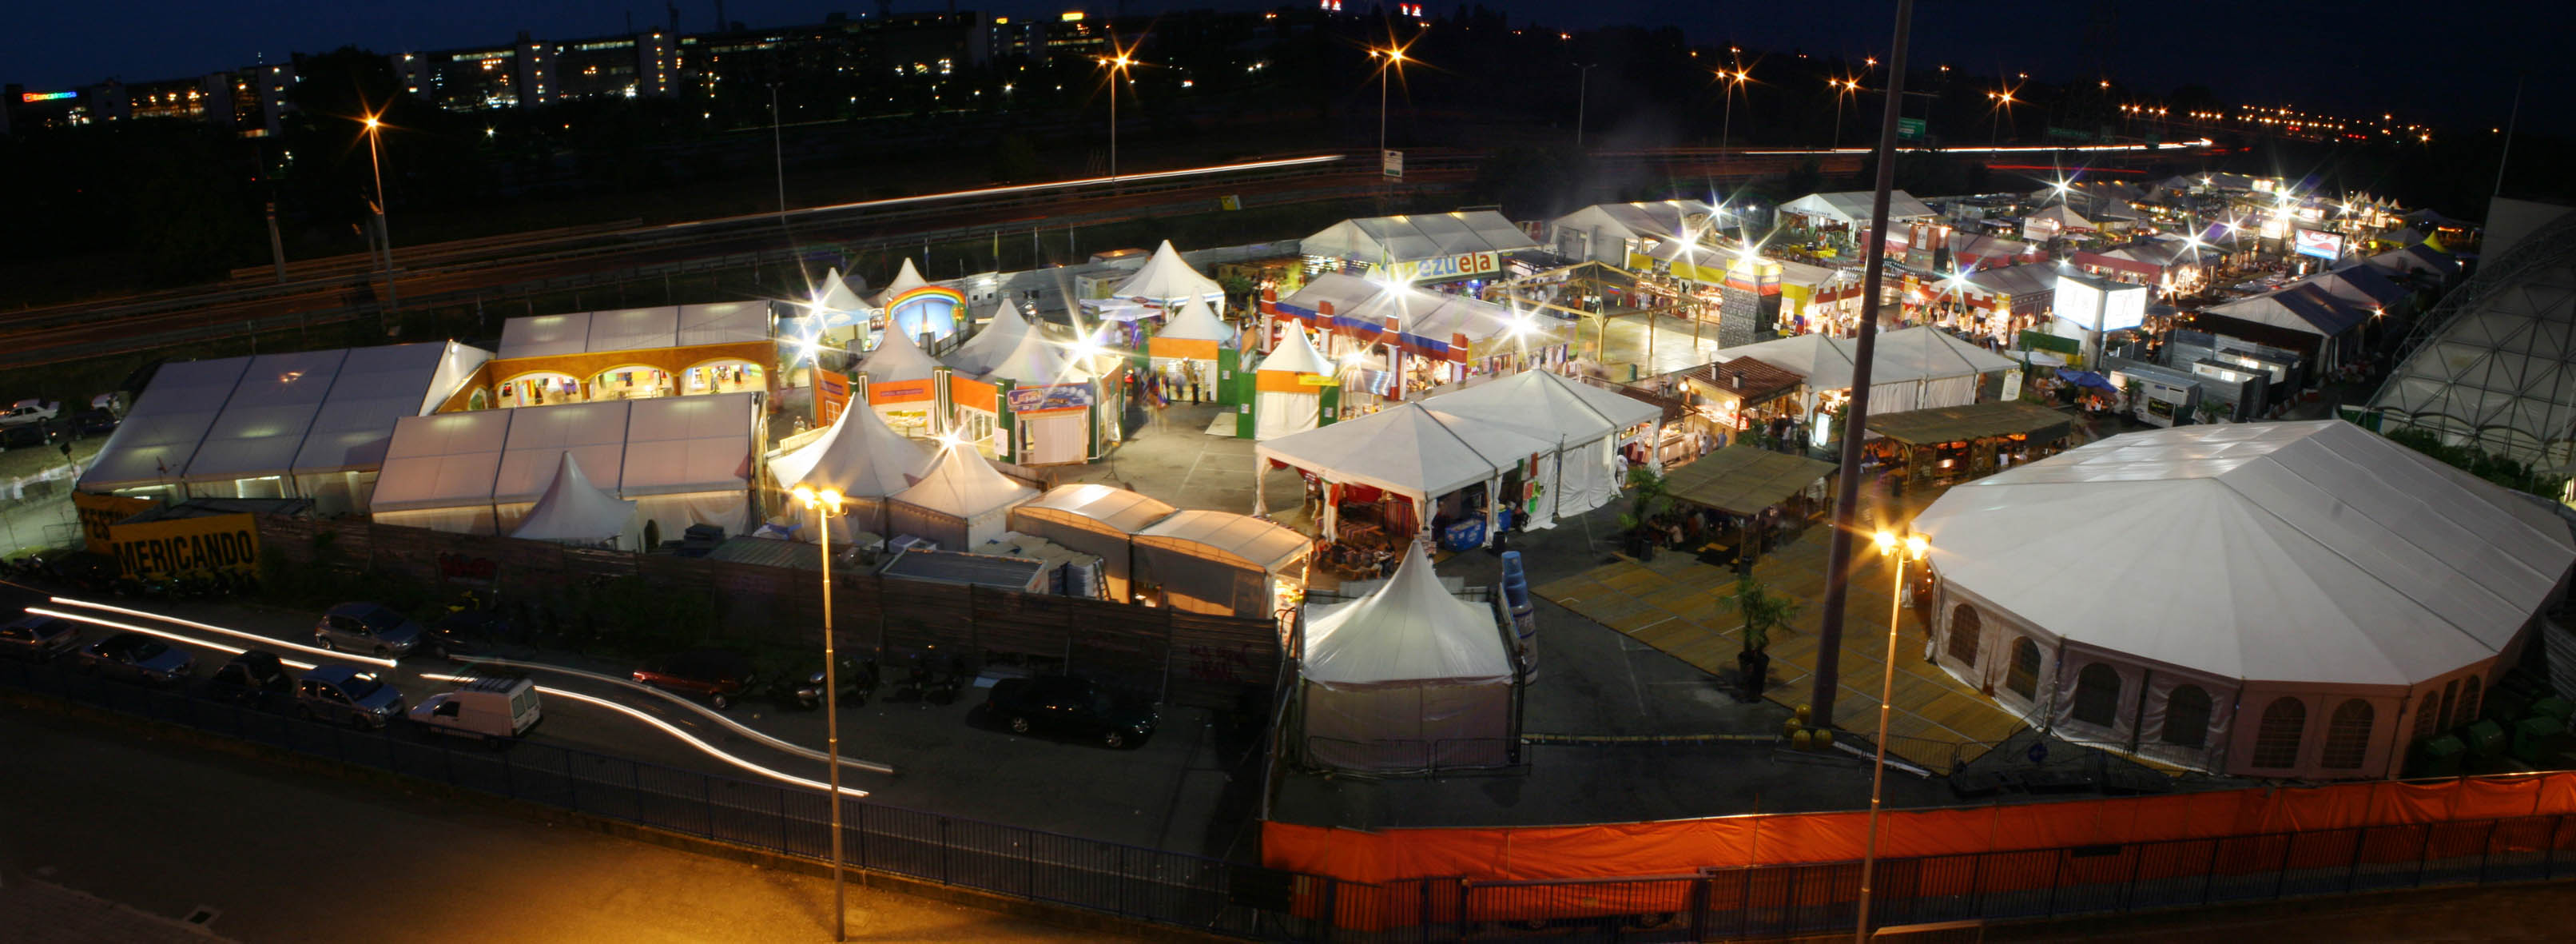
(1408,473)
(573,511)
(1093,519)
(900,384)
(1294,389)
(1050,405)
(1407,679)
(1912,368)
(1159,288)
(1580,471)
(1185,352)
(996,339)
(1393,340)
(1418,248)
(864,459)
(1948,445)
(1759,496)
(2298,600)
(963,502)
(1201,561)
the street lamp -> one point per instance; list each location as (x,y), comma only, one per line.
(2003,105)
(1394,56)
(375,160)
(1117,66)
(1843,88)
(826,504)
(1726,124)
(1899,549)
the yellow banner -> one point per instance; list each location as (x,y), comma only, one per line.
(97,512)
(177,546)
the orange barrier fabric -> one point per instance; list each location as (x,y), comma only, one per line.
(1683,846)
(1181,347)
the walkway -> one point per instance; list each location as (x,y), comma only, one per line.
(1679,604)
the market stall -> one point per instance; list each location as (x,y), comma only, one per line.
(996,339)
(1409,472)
(961,504)
(1948,445)
(1053,403)
(1753,498)
(1185,352)
(1093,519)
(1294,389)
(900,384)
(864,459)
(1161,287)
(1579,470)
(1200,561)
(1407,678)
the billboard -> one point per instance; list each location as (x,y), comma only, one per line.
(2119,304)
(174,546)
(1444,267)
(1040,399)
(98,512)
(2323,245)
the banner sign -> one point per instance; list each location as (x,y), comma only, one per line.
(97,512)
(1040,399)
(831,396)
(1446,267)
(2323,245)
(175,546)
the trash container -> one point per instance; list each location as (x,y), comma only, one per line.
(2485,739)
(2437,757)
(2538,739)
(2554,707)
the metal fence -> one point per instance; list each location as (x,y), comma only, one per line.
(1243,901)
(1124,881)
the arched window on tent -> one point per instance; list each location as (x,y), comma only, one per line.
(2097,695)
(2347,736)
(2450,701)
(2470,694)
(2186,717)
(2428,716)
(1965,627)
(2023,677)
(2276,741)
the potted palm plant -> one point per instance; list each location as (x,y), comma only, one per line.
(1646,499)
(1763,612)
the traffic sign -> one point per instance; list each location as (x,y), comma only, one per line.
(1391,162)
(1909,129)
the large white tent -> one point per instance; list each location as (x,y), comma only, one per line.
(1917,368)
(1852,207)
(533,452)
(1581,472)
(1285,405)
(1165,281)
(572,510)
(342,451)
(2297,600)
(1393,240)
(1202,561)
(1609,232)
(897,358)
(1094,519)
(1407,678)
(1411,451)
(686,460)
(439,470)
(963,502)
(2308,309)
(249,449)
(1000,335)
(689,460)
(863,458)
(153,445)
(636,329)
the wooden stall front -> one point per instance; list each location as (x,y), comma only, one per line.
(1947,445)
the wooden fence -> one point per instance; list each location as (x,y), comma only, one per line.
(1189,659)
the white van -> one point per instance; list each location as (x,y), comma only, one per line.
(494,709)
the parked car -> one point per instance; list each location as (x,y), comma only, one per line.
(32,410)
(38,638)
(367,627)
(95,423)
(465,633)
(135,657)
(252,678)
(494,709)
(722,675)
(113,401)
(29,435)
(1069,705)
(801,687)
(340,693)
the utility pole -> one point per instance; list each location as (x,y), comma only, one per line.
(1582,99)
(777,154)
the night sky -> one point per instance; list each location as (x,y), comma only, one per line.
(2451,64)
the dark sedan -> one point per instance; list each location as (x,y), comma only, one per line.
(136,657)
(252,678)
(1070,706)
(38,638)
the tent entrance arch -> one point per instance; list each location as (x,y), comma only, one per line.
(538,388)
(724,375)
(631,382)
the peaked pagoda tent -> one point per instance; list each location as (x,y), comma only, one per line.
(1037,360)
(532,454)
(1283,403)
(1408,678)
(897,359)
(863,458)
(962,503)
(915,307)
(576,512)
(2315,597)
(1581,471)
(1192,334)
(906,279)
(1165,282)
(995,340)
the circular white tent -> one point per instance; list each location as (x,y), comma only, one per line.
(1407,678)
(2301,600)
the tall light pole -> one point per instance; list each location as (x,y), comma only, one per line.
(1726,126)
(1843,88)
(2003,105)
(1117,66)
(826,504)
(777,154)
(375,160)
(1394,63)
(1582,99)
(1913,546)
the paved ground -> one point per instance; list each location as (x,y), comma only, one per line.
(167,830)
(2536,912)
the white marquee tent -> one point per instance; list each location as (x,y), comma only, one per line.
(689,461)
(1295,408)
(897,359)
(1917,368)
(836,304)
(1409,450)
(685,459)
(439,470)
(250,447)
(576,512)
(1406,678)
(862,457)
(963,502)
(1165,281)
(337,463)
(636,329)
(1000,335)
(533,452)
(2300,600)
(1581,472)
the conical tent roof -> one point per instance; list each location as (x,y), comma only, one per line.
(1297,355)
(860,455)
(897,358)
(905,280)
(1036,360)
(1165,277)
(1195,323)
(572,509)
(963,484)
(1410,630)
(991,343)
(836,295)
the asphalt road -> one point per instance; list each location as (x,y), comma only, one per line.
(284,856)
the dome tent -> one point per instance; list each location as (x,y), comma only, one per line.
(863,458)
(963,502)
(574,511)
(2313,597)
(1406,678)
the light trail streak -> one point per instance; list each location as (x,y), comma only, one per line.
(674,731)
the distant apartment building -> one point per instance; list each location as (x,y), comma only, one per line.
(1070,37)
(222,99)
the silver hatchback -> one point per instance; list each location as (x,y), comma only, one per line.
(366,627)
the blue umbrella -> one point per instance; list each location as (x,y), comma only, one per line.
(2086,378)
